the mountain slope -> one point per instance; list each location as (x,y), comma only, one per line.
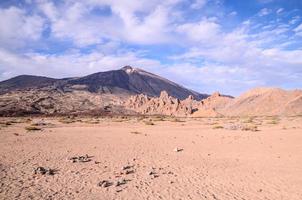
(25,82)
(126,80)
(265,101)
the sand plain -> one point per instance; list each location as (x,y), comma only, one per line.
(151,158)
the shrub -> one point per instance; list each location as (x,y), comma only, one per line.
(218,127)
(273,122)
(149,123)
(136,132)
(177,120)
(67,120)
(250,128)
(32,128)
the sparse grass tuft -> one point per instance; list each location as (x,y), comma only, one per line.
(248,120)
(158,118)
(67,120)
(218,127)
(177,120)
(250,128)
(91,121)
(149,123)
(32,128)
(273,122)
(136,132)
(8,123)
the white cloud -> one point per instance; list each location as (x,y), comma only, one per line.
(280,10)
(234,13)
(66,65)
(17,28)
(138,22)
(243,54)
(264,11)
(298,30)
(154,28)
(49,10)
(204,31)
(294,20)
(198,4)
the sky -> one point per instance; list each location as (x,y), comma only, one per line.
(228,46)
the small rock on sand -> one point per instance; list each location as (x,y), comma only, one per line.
(44,171)
(105,184)
(120,182)
(177,149)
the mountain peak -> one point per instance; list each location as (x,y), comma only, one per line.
(128,69)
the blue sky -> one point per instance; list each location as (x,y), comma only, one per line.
(206,45)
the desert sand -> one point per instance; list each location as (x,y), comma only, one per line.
(151,158)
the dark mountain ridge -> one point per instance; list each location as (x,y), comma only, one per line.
(127,80)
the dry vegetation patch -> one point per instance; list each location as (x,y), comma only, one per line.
(136,132)
(149,123)
(67,120)
(176,120)
(33,128)
(218,127)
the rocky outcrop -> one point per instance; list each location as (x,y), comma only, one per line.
(162,105)
(211,106)
(57,103)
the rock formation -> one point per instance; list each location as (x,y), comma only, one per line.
(256,102)
(162,105)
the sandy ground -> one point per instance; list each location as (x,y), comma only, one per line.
(212,162)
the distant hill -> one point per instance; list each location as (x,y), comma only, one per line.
(125,81)
(24,82)
(265,101)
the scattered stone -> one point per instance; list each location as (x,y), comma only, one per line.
(155,176)
(126,167)
(129,172)
(151,173)
(40,123)
(44,171)
(105,184)
(177,149)
(120,182)
(136,132)
(85,158)
(242,127)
